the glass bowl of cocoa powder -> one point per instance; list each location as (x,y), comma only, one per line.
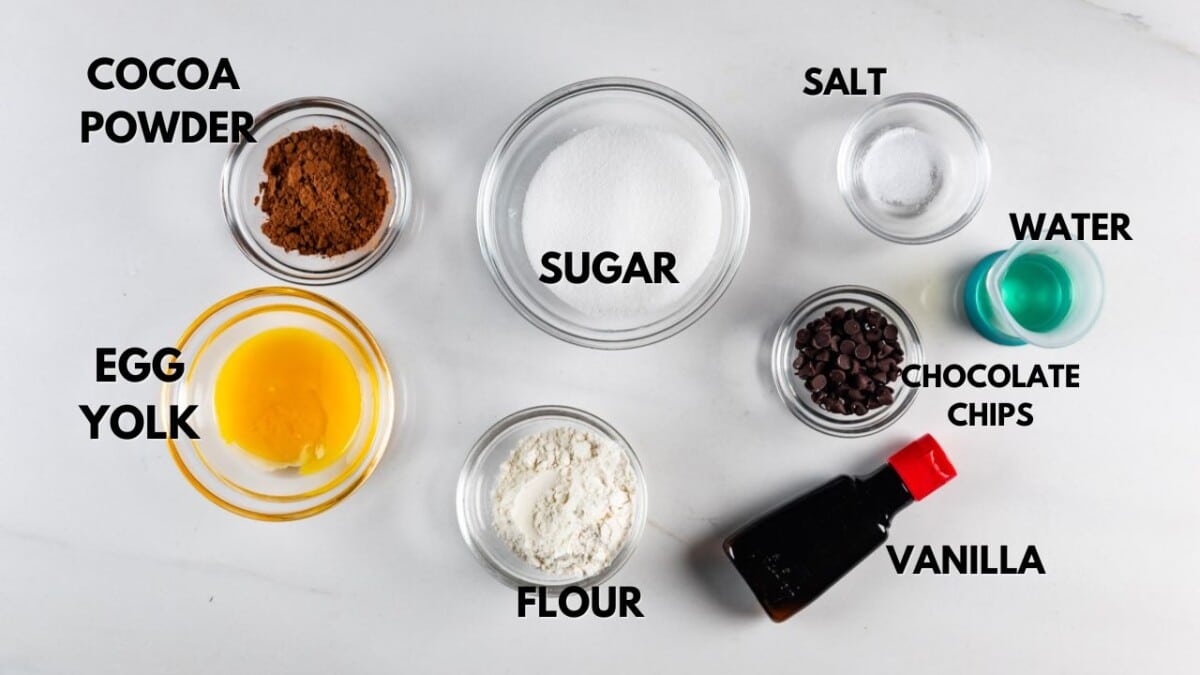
(320,195)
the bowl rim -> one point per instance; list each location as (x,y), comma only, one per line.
(386,403)
(781,357)
(850,140)
(397,168)
(626,338)
(475,457)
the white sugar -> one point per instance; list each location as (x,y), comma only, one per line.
(624,189)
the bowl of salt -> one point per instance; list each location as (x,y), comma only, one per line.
(914,168)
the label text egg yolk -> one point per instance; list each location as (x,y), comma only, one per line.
(289,397)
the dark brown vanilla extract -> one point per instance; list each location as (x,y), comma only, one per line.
(793,554)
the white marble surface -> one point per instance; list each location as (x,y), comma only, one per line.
(110,563)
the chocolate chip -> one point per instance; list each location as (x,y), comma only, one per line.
(848,359)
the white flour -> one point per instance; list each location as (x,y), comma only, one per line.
(564,501)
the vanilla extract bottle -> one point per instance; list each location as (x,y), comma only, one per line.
(795,553)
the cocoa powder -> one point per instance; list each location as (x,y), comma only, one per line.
(323,194)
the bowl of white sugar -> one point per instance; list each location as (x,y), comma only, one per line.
(613,213)
(914,168)
(552,496)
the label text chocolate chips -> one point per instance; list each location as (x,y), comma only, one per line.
(187,126)
(998,376)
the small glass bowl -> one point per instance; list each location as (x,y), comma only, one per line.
(244,171)
(791,387)
(966,168)
(478,479)
(227,475)
(553,120)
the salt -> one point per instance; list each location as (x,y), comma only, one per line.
(902,170)
(624,189)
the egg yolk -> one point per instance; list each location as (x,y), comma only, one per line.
(289,397)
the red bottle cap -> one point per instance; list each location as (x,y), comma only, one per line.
(923,466)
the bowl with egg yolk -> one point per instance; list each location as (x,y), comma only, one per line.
(294,403)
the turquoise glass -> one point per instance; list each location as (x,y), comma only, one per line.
(1043,293)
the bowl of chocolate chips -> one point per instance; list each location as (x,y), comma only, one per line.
(837,359)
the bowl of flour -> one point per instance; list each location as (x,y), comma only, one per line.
(552,496)
(613,213)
